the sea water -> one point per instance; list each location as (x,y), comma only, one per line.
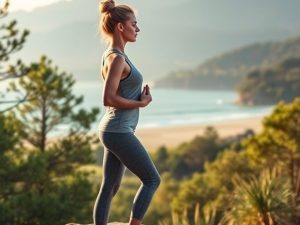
(172,107)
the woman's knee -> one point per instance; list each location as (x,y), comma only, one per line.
(157,181)
(153,182)
(110,189)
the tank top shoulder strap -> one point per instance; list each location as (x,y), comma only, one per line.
(111,51)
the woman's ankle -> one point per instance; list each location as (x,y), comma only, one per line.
(134,221)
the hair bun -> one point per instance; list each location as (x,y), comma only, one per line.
(106,6)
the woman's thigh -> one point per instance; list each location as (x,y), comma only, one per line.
(131,153)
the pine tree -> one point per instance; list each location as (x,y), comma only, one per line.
(51,189)
(11,41)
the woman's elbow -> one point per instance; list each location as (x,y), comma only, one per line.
(107,101)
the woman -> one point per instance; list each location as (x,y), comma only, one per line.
(122,96)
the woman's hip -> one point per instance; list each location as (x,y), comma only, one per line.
(113,140)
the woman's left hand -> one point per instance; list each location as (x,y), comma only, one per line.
(146,97)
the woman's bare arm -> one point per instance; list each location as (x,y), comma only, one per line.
(115,67)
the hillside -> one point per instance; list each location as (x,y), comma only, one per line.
(226,70)
(172,39)
(279,82)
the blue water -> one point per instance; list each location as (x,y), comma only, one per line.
(178,107)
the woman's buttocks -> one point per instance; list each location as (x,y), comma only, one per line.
(119,120)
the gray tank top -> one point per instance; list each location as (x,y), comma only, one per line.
(123,120)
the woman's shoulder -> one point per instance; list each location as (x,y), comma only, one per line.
(111,56)
(113,51)
(115,59)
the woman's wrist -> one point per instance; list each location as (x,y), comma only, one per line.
(142,103)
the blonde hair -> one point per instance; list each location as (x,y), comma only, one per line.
(111,15)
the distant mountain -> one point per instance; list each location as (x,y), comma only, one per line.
(175,34)
(226,70)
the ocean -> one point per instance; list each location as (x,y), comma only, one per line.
(172,107)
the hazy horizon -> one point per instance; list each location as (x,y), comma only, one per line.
(30,5)
(173,39)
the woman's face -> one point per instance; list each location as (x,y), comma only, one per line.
(130,29)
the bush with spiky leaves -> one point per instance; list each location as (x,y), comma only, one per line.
(261,201)
(202,216)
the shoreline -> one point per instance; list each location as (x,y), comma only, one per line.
(172,136)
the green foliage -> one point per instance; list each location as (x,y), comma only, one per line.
(42,183)
(213,187)
(271,85)
(276,195)
(201,217)
(190,157)
(264,200)
(41,202)
(9,158)
(160,157)
(8,132)
(279,144)
(199,189)
(51,104)
(11,41)
(285,120)
(33,194)
(220,172)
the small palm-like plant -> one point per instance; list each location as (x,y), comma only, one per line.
(261,201)
(201,217)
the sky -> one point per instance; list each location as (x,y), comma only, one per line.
(29,5)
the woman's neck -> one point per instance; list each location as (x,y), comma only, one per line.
(116,47)
(118,44)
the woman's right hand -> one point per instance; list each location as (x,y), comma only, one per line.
(146,97)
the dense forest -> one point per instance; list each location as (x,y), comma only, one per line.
(227,70)
(272,84)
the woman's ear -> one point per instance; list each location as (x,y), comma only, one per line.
(120,27)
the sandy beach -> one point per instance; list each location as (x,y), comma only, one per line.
(152,138)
